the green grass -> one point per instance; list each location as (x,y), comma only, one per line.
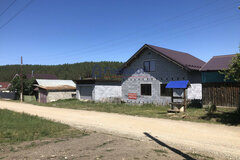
(18,127)
(227,116)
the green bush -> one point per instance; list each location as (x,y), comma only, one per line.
(212,108)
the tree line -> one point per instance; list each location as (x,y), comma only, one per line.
(101,70)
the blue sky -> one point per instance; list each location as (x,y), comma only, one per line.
(70,31)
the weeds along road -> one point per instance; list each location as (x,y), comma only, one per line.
(220,140)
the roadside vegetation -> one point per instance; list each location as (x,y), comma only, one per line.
(19,127)
(227,116)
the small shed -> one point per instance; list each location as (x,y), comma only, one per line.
(53,90)
(215,89)
(179,97)
(98,89)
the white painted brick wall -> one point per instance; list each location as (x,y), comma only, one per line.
(194,91)
(106,91)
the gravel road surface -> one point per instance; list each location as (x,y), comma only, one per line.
(218,140)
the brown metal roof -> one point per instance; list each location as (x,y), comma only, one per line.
(183,59)
(58,88)
(218,63)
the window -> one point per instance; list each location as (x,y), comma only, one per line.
(146,89)
(165,91)
(149,66)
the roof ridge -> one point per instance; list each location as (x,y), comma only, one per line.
(169,49)
(227,55)
(179,52)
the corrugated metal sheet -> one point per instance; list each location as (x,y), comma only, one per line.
(178,84)
(58,88)
(182,58)
(55,83)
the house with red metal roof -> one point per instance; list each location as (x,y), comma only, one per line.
(4,86)
(5,92)
(215,89)
(146,73)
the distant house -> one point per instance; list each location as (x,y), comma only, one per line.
(5,92)
(215,89)
(147,72)
(98,90)
(4,86)
(53,90)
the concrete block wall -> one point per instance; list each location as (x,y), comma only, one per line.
(194,91)
(107,91)
(166,70)
(99,92)
(134,76)
(57,95)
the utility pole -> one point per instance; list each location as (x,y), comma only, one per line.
(239,48)
(21,76)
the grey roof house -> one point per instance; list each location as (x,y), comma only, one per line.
(53,90)
(146,73)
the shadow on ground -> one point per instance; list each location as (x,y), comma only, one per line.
(169,147)
(228,118)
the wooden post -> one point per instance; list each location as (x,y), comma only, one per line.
(21,77)
(185,101)
(238,102)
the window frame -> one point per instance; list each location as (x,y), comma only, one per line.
(146,90)
(168,92)
(150,63)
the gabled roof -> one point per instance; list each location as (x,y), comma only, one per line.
(4,85)
(41,76)
(183,59)
(218,63)
(54,83)
(50,84)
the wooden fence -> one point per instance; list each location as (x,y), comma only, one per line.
(221,94)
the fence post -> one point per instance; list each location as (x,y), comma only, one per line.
(238,102)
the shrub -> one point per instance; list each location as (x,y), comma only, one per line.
(212,108)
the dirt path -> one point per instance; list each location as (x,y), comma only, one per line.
(219,140)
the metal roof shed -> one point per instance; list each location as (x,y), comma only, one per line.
(178,84)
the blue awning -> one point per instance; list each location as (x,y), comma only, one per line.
(178,84)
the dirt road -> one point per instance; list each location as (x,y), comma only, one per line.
(220,140)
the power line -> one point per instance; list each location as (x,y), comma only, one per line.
(134,33)
(7,8)
(173,36)
(15,15)
(186,22)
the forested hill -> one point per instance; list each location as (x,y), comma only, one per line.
(64,71)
